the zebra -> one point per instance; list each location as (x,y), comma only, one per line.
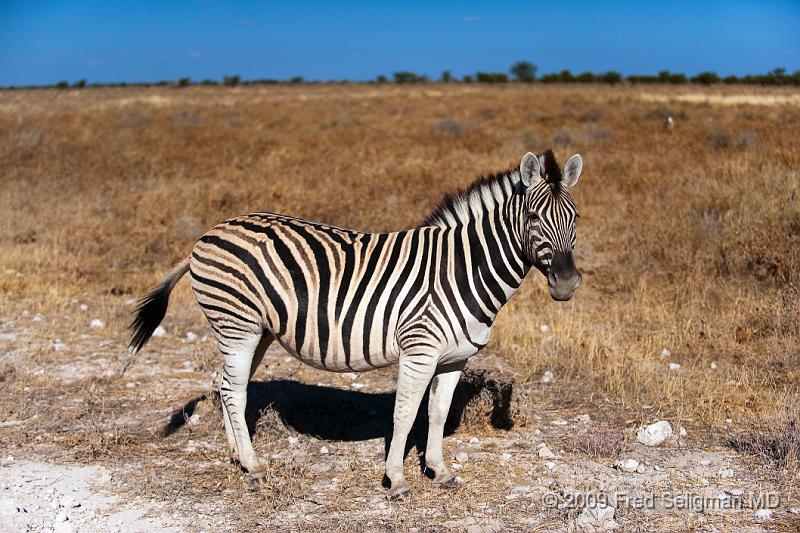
(346,301)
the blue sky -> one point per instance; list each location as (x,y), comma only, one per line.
(42,42)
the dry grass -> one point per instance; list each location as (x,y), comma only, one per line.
(689,239)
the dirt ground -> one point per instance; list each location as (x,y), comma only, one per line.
(102,190)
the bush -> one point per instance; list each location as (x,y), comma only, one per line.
(296,79)
(467,79)
(585,77)
(706,78)
(381,79)
(408,77)
(611,77)
(80,84)
(231,81)
(62,85)
(184,82)
(491,77)
(524,71)
(447,77)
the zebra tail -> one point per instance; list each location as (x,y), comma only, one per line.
(151,309)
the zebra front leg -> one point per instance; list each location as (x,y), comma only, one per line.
(442,388)
(414,374)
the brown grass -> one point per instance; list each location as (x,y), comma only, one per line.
(689,239)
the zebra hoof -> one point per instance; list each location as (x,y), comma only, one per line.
(257,480)
(400,492)
(448,483)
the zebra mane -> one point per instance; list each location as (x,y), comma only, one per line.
(464,205)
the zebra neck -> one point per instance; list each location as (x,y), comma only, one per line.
(489,257)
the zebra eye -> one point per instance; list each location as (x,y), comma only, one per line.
(533,217)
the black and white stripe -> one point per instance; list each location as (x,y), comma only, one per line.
(343,300)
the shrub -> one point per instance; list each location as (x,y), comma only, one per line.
(183,82)
(231,81)
(381,79)
(491,77)
(524,71)
(62,85)
(706,78)
(447,77)
(80,84)
(408,77)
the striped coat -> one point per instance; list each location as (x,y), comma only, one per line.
(341,300)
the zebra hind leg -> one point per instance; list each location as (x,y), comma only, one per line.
(242,355)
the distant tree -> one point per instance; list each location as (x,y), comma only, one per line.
(706,78)
(184,82)
(491,77)
(447,77)
(296,79)
(80,84)
(524,71)
(467,79)
(611,77)
(550,78)
(565,76)
(585,77)
(730,79)
(62,85)
(231,81)
(381,79)
(405,76)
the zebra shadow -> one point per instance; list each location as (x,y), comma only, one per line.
(335,414)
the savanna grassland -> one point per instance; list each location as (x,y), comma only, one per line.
(689,244)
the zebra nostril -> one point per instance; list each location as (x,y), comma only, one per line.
(552,278)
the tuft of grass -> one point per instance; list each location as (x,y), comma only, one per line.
(776,440)
(597,442)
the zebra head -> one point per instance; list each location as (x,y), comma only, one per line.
(549,220)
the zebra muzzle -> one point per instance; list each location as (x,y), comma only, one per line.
(563,278)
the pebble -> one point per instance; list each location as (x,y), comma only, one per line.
(544,328)
(705,462)
(600,516)
(84,307)
(159,331)
(96,323)
(474,440)
(462,457)
(550,465)
(763,515)
(627,465)
(674,366)
(560,422)
(725,473)
(191,336)
(548,377)
(37,318)
(456,466)
(654,434)
(506,457)
(59,346)
(194,419)
(545,452)
(8,336)
(61,517)
(665,352)
(8,507)
(358,385)
(795,510)
(713,365)
(292,440)
(682,432)
(324,450)
(583,419)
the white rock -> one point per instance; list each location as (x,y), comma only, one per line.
(96,323)
(456,466)
(474,440)
(548,377)
(544,328)
(63,527)
(560,422)
(61,517)
(627,465)
(191,336)
(654,434)
(159,331)
(713,365)
(763,515)
(682,432)
(550,465)
(705,462)
(546,453)
(583,419)
(795,510)
(640,469)
(600,516)
(665,352)
(506,457)
(324,450)
(462,457)
(194,419)
(84,307)
(725,473)
(59,346)
(37,318)
(674,366)
(729,420)
(8,336)
(8,507)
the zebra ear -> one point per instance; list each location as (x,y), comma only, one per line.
(572,171)
(529,169)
